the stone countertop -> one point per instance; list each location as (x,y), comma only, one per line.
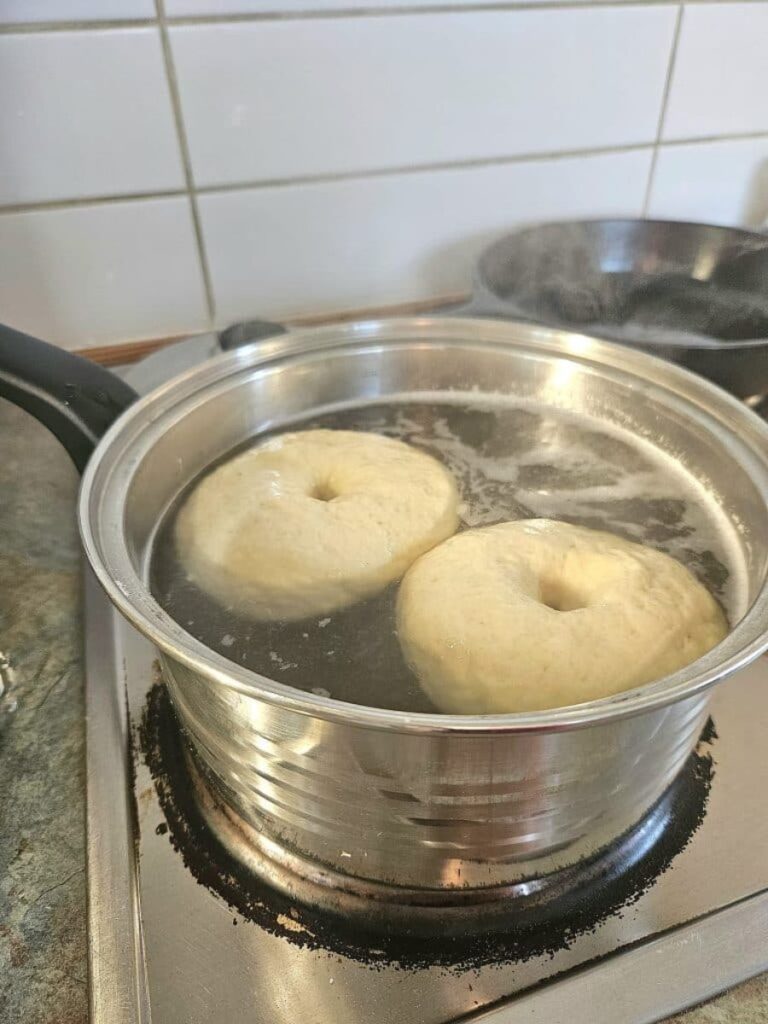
(43,969)
(43,966)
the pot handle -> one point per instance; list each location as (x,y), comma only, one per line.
(76,399)
(245,333)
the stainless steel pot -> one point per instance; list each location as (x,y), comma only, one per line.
(410,804)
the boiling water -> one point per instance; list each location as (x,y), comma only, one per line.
(511,463)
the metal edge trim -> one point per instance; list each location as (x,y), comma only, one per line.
(653,979)
(118,991)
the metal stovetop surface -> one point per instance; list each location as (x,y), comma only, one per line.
(166,949)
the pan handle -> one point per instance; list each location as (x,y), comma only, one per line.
(76,399)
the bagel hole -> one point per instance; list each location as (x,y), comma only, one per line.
(560,597)
(323,492)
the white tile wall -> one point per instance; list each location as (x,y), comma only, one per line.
(212,7)
(721,182)
(85,114)
(95,274)
(351,244)
(201,8)
(260,102)
(372,154)
(73,10)
(720,82)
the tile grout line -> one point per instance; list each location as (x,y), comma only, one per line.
(663,109)
(464,6)
(43,206)
(338,176)
(702,140)
(427,168)
(52,205)
(532,156)
(461,7)
(173,86)
(83,25)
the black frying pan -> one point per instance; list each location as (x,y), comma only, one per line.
(695,294)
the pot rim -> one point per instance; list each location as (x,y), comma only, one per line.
(121,448)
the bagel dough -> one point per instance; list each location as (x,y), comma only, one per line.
(311,521)
(537,614)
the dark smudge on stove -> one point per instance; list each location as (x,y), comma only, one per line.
(162,746)
(132,763)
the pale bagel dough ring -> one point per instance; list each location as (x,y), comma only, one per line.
(537,614)
(311,521)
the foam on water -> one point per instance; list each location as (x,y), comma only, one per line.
(556,465)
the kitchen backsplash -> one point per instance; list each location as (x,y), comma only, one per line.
(165,168)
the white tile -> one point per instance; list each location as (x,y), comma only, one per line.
(287,99)
(353,244)
(720,81)
(201,8)
(716,182)
(73,10)
(91,275)
(85,114)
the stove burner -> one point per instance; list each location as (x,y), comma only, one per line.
(318,912)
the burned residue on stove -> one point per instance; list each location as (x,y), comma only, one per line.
(132,761)
(162,746)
